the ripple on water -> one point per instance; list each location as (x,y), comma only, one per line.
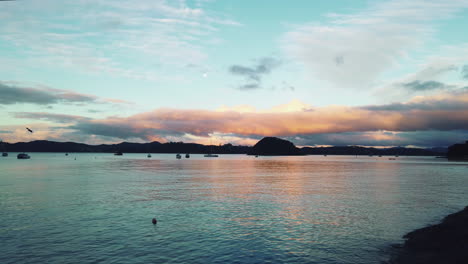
(230,210)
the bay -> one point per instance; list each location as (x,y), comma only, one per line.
(96,207)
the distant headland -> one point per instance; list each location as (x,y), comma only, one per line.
(458,152)
(268,146)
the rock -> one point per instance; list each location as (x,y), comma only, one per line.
(446,242)
(458,151)
(272,146)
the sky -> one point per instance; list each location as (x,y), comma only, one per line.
(317,73)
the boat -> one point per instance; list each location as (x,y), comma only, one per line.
(187,156)
(178,156)
(118,153)
(4,153)
(23,156)
(210,155)
(149,155)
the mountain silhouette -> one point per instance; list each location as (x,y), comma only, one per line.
(272,146)
(266,146)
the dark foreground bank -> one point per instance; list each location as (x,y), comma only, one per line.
(446,242)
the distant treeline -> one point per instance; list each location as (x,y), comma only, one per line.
(355,150)
(180,147)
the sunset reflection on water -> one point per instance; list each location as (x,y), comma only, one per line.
(308,209)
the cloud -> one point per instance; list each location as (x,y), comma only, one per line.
(249,86)
(13,95)
(465,72)
(355,50)
(443,113)
(57,118)
(102,39)
(454,100)
(384,138)
(18,133)
(424,85)
(253,75)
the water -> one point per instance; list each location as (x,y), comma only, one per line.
(231,209)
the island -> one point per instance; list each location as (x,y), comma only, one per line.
(273,146)
(446,242)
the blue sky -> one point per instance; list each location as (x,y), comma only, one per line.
(377,73)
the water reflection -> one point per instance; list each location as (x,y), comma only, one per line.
(267,209)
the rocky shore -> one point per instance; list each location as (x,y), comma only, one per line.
(445,243)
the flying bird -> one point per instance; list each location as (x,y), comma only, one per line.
(29,129)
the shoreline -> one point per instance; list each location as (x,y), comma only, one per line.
(446,242)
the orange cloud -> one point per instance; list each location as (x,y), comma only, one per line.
(436,113)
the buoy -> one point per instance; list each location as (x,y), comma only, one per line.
(154,221)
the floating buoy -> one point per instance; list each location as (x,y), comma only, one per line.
(154,221)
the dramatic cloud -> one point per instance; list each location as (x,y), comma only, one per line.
(43,96)
(18,133)
(253,75)
(354,50)
(384,138)
(455,100)
(333,124)
(13,95)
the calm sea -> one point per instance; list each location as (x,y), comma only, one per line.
(232,209)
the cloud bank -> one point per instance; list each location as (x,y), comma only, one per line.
(423,115)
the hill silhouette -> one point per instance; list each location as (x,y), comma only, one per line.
(458,151)
(266,146)
(126,147)
(272,146)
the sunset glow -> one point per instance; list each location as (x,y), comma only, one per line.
(383,73)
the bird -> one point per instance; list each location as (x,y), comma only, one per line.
(29,130)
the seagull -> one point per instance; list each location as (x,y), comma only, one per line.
(29,129)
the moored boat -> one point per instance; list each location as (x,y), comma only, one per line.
(23,156)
